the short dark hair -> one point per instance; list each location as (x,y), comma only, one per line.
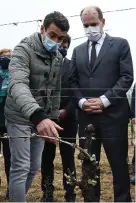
(58,19)
(67,39)
(99,11)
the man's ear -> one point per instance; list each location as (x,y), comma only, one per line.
(42,29)
(103,22)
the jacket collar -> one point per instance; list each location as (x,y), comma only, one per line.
(36,44)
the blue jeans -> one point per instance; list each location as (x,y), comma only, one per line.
(26,152)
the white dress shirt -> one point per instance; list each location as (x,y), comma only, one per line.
(98,46)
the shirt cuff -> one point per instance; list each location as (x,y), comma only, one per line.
(80,103)
(105,101)
(38,116)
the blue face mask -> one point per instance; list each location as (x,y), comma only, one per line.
(50,45)
(63,51)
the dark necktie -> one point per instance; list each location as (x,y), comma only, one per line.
(93,55)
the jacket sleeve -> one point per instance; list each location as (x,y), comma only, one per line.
(56,99)
(19,87)
(133,103)
(125,81)
(75,92)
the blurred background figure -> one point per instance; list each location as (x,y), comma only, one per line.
(5,55)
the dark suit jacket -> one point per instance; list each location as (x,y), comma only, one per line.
(112,76)
(66,101)
(133,100)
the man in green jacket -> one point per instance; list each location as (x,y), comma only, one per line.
(33,100)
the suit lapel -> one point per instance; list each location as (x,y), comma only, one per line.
(104,49)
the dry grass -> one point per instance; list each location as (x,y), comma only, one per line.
(106,181)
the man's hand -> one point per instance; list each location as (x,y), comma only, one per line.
(92,106)
(134,120)
(97,102)
(63,114)
(48,128)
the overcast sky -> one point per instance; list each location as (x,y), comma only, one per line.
(121,24)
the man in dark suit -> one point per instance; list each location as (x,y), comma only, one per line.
(133,117)
(101,74)
(68,121)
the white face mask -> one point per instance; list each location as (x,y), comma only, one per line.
(93,33)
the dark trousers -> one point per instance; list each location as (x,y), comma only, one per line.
(114,137)
(6,153)
(67,156)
